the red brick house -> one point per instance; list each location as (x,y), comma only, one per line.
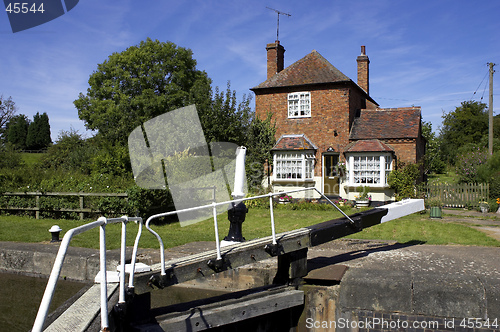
(326,123)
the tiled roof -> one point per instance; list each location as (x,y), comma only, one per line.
(311,69)
(373,145)
(294,142)
(387,123)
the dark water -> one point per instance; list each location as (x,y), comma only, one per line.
(20,297)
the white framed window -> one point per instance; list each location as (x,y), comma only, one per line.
(299,105)
(295,166)
(370,169)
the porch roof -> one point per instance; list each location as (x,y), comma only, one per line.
(294,142)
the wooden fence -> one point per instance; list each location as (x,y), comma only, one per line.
(35,205)
(458,195)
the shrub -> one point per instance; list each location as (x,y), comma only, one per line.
(147,202)
(468,164)
(404,180)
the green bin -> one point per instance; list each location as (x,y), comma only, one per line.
(435,212)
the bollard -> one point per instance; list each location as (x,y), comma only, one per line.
(236,216)
(55,231)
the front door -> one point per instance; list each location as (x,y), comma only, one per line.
(330,176)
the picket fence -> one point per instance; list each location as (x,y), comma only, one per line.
(457,195)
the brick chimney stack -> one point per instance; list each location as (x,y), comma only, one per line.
(363,70)
(275,58)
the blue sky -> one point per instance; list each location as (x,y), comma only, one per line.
(432,54)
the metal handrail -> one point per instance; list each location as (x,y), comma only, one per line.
(214,205)
(63,248)
(102,222)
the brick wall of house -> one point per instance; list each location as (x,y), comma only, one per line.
(405,149)
(332,110)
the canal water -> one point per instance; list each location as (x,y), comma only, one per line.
(20,297)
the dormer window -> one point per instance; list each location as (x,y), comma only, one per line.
(299,105)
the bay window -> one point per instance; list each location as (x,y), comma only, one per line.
(293,165)
(370,169)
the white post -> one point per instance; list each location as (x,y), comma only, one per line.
(272,219)
(121,298)
(239,173)
(104,280)
(216,231)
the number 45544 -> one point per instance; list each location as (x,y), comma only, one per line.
(24,8)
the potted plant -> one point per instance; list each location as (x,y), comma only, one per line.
(435,206)
(284,199)
(484,207)
(341,170)
(363,199)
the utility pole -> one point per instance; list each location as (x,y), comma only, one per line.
(490,115)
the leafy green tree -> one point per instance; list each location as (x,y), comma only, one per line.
(7,111)
(39,132)
(464,126)
(260,140)
(226,120)
(17,130)
(138,84)
(434,162)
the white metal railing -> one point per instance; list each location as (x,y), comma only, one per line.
(63,248)
(214,206)
(102,222)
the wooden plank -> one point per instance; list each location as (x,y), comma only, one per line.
(231,311)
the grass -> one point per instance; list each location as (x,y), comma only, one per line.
(418,228)
(414,228)
(449,176)
(32,158)
(256,225)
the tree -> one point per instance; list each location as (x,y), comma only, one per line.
(138,84)
(434,162)
(464,126)
(226,120)
(38,132)
(17,130)
(7,111)
(260,140)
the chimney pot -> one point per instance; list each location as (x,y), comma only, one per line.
(363,51)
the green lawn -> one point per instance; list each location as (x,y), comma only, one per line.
(420,228)
(448,177)
(32,158)
(413,228)
(257,224)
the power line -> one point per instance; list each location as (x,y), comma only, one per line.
(485,75)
